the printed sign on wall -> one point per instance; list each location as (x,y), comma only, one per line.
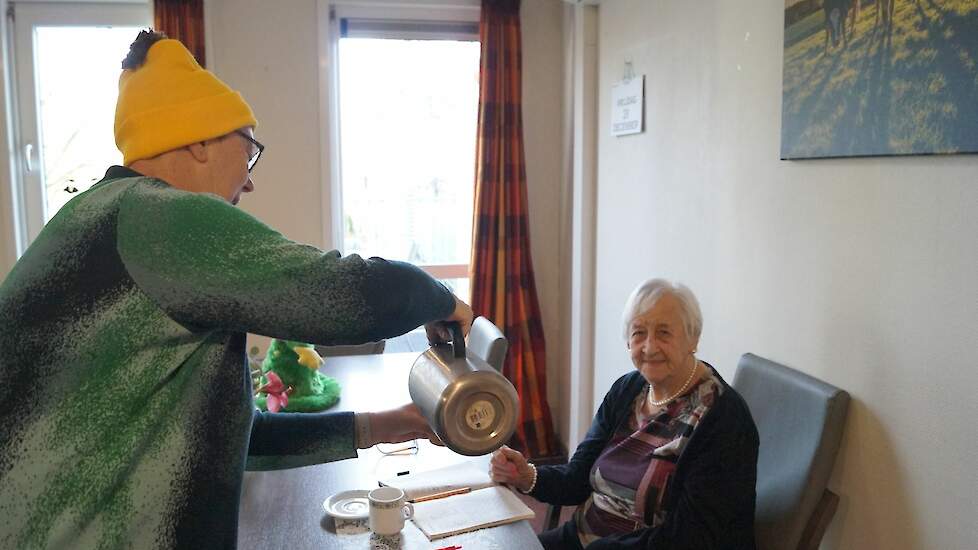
(627,106)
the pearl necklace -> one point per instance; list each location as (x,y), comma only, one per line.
(669,399)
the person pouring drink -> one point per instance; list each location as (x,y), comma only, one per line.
(127,416)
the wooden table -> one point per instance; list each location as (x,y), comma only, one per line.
(284,509)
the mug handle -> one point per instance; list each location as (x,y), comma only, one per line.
(407,511)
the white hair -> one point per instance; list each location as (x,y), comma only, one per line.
(648,293)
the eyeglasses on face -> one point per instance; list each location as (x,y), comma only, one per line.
(253,159)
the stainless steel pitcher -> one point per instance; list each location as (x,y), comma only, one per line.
(471,406)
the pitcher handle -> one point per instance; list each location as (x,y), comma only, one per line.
(407,511)
(458,339)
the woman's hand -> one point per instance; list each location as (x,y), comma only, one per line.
(401,424)
(438,332)
(510,466)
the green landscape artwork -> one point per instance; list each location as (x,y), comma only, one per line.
(883,77)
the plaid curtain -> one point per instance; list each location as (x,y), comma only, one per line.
(184,21)
(503,287)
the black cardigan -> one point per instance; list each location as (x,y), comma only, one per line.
(711,498)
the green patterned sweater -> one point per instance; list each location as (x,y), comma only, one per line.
(126,417)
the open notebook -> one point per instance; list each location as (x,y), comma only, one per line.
(486,505)
(422,484)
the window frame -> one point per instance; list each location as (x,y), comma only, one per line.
(28,186)
(431,20)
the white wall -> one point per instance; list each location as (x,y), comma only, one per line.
(577,306)
(543,135)
(268,51)
(860,272)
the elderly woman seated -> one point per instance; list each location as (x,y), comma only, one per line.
(670,460)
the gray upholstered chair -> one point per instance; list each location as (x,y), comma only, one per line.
(800,420)
(487,342)
(369,348)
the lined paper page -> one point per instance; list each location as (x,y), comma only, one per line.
(456,514)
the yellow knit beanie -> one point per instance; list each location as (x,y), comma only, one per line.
(170,101)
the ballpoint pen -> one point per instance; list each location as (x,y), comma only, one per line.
(443,494)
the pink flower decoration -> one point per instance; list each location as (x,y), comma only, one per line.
(277,401)
(276,394)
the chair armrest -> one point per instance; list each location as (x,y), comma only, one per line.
(811,537)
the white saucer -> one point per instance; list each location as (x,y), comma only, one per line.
(348,505)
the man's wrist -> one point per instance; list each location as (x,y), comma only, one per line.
(364,435)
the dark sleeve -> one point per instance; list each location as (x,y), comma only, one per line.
(715,504)
(209,265)
(291,440)
(570,483)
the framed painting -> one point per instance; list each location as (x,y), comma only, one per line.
(879,77)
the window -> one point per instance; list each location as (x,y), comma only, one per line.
(68,60)
(408,96)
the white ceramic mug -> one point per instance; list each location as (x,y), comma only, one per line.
(388,510)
